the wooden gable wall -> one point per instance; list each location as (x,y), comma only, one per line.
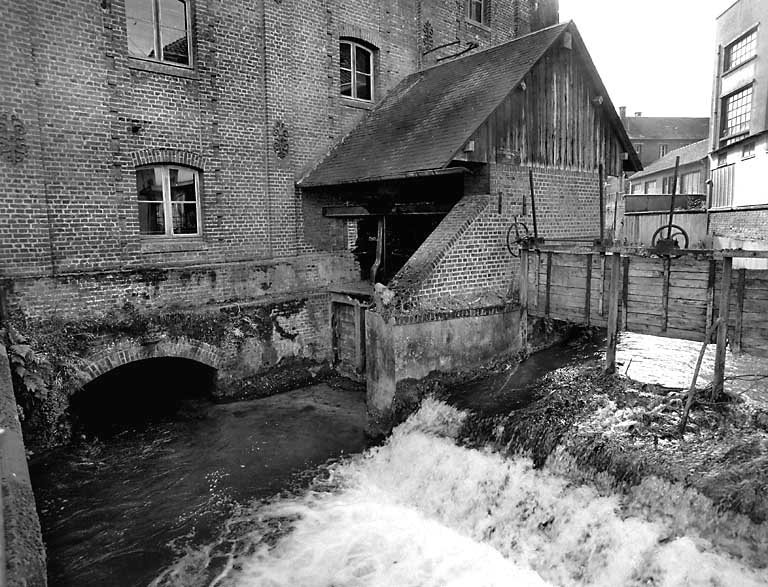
(554,121)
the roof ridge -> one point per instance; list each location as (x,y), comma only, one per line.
(493,48)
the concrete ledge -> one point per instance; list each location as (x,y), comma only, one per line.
(23,553)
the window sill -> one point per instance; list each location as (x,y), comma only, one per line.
(162,244)
(161,68)
(479,25)
(354,103)
(739,66)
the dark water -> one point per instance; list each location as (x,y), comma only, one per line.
(117,512)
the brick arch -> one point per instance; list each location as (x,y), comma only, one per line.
(158,156)
(355,32)
(116,355)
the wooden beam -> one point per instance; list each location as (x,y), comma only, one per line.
(711,292)
(359,337)
(549,284)
(345,212)
(613,313)
(588,290)
(625,289)
(380,264)
(665,294)
(722,330)
(739,328)
(410,209)
(524,259)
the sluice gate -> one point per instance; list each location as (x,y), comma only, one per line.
(676,295)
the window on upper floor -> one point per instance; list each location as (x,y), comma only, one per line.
(477,11)
(741,50)
(663,150)
(356,70)
(169,200)
(639,149)
(649,187)
(159,30)
(736,113)
(748,150)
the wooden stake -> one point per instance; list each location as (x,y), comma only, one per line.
(613,313)
(665,294)
(739,328)
(722,330)
(692,388)
(524,257)
(549,284)
(588,291)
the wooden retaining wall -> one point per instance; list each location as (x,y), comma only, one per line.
(677,297)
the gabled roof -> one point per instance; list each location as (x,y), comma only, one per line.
(661,127)
(427,118)
(692,153)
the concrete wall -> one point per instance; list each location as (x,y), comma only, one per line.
(405,354)
(22,555)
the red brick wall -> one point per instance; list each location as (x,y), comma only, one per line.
(740,224)
(69,205)
(465,261)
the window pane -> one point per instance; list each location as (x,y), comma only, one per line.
(345,52)
(174,43)
(737,112)
(173,13)
(476,10)
(346,82)
(362,60)
(151,219)
(740,51)
(184,218)
(141,38)
(141,9)
(149,184)
(363,86)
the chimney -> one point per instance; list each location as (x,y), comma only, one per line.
(638,114)
(623,112)
(546,13)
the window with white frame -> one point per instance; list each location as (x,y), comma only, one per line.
(741,50)
(476,11)
(169,200)
(356,70)
(159,30)
(663,150)
(690,182)
(639,149)
(736,113)
(748,150)
(649,187)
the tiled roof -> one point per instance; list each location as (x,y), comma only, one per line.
(659,127)
(429,116)
(689,154)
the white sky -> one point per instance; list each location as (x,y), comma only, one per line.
(654,56)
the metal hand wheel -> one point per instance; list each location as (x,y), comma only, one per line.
(678,238)
(521,235)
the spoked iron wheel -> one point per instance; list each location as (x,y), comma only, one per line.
(517,233)
(678,238)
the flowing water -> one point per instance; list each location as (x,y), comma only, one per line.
(115,513)
(283,492)
(421,511)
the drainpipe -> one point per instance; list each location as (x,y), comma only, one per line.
(265,90)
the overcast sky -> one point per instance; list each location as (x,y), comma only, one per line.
(654,56)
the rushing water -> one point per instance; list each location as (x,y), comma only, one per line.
(115,513)
(421,511)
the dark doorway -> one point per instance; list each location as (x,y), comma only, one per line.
(404,234)
(138,393)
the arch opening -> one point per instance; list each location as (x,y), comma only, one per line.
(139,393)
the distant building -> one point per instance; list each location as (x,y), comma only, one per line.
(739,130)
(646,207)
(655,136)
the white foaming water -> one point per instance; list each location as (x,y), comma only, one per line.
(422,511)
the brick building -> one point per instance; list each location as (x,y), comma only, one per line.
(655,136)
(151,150)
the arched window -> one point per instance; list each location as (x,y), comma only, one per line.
(356,70)
(169,200)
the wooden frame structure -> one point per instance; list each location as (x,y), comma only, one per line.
(677,296)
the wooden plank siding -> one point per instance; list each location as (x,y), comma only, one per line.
(683,308)
(555,121)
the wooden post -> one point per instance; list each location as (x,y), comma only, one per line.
(711,292)
(603,263)
(380,264)
(538,278)
(722,329)
(613,313)
(334,334)
(359,337)
(739,328)
(588,292)
(665,294)
(524,257)
(625,291)
(602,203)
(549,283)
